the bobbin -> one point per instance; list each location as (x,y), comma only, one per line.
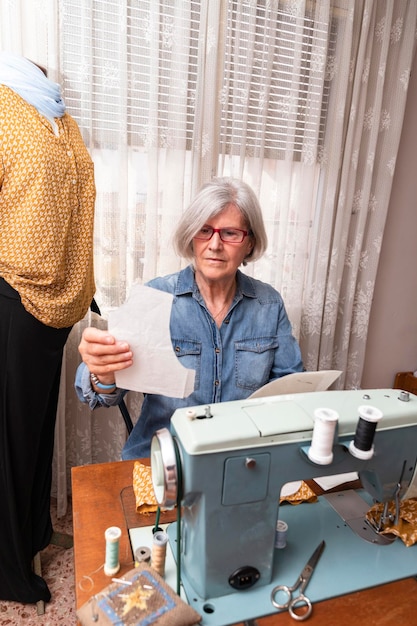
(321,449)
(142,554)
(363,448)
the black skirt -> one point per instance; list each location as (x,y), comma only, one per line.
(30,370)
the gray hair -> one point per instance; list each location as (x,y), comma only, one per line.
(211,200)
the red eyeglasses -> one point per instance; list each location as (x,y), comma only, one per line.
(227,235)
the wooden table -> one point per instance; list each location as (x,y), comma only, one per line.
(102,496)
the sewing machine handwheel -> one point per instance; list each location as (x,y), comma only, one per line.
(164,468)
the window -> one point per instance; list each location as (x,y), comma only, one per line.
(273,91)
(169,94)
(143,55)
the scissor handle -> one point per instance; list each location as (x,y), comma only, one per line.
(283,589)
(298,602)
(292,603)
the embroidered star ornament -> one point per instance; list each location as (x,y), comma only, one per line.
(140,597)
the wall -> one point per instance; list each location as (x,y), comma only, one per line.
(392,335)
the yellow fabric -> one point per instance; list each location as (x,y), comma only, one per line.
(143,489)
(47,196)
(303,494)
(406,529)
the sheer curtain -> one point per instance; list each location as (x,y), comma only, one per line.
(375,56)
(303,100)
(32,29)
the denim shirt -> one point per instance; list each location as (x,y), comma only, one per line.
(253,346)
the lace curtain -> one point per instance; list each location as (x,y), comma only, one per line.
(378,52)
(168,94)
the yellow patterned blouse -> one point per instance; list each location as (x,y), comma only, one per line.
(47,196)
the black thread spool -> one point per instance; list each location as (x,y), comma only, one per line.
(362,445)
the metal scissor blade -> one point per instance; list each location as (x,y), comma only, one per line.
(312,562)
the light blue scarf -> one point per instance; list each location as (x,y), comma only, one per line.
(28,80)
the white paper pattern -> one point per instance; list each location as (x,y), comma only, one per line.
(143,321)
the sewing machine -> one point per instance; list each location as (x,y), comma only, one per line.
(227,465)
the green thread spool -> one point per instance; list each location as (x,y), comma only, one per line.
(112,536)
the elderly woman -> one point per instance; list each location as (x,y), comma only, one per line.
(231,329)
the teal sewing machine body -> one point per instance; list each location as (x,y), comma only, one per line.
(236,457)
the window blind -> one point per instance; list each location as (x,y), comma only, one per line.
(125,58)
(130,72)
(275,85)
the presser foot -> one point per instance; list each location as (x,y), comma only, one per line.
(384,538)
(353,509)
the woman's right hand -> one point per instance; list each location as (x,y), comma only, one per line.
(103,354)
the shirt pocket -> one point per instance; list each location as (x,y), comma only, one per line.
(189,354)
(254,359)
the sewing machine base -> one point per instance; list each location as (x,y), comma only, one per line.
(348,564)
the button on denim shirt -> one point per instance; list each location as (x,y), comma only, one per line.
(253,346)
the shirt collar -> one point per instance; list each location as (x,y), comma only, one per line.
(186,283)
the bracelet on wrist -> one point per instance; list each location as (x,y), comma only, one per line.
(101,386)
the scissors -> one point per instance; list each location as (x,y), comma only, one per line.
(302,581)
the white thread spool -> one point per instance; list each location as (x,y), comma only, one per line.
(362,446)
(321,449)
(159,549)
(281,534)
(112,536)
